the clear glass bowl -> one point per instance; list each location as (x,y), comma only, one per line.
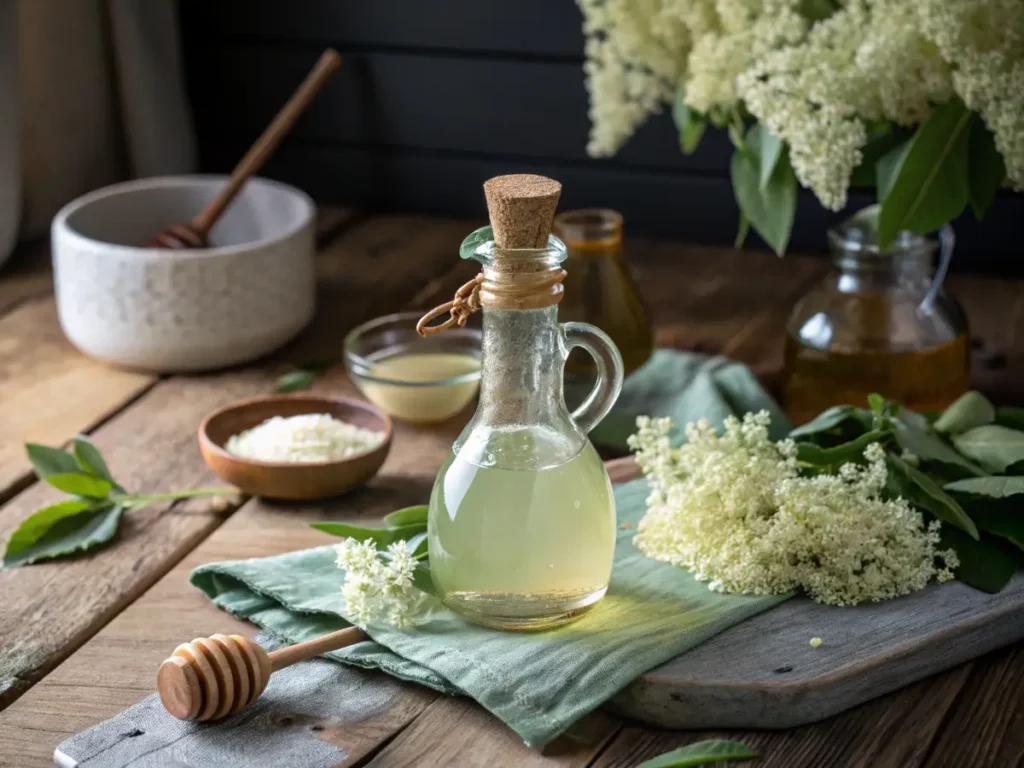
(412,378)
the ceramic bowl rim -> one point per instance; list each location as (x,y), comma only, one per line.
(62,231)
(351,358)
(210,444)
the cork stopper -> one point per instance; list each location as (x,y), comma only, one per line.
(521,208)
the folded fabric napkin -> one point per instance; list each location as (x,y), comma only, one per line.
(684,386)
(537,683)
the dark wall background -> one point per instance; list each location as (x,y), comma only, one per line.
(436,96)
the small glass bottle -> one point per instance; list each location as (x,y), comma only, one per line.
(878,323)
(599,288)
(522,518)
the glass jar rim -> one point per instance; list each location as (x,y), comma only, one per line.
(857,236)
(480,245)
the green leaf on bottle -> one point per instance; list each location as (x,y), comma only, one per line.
(987,171)
(689,122)
(701,753)
(994,447)
(769,209)
(409,516)
(930,182)
(970,410)
(62,529)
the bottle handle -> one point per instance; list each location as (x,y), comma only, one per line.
(946,242)
(610,372)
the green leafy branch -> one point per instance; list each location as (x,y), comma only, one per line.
(92,514)
(408,525)
(965,468)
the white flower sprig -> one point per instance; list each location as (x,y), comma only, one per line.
(379,585)
(735,510)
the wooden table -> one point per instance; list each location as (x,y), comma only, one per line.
(81,639)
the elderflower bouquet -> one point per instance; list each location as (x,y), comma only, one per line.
(922,99)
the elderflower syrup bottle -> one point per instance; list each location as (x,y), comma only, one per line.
(880,322)
(522,518)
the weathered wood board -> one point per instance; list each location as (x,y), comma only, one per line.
(763,673)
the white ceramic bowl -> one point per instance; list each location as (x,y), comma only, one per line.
(188,310)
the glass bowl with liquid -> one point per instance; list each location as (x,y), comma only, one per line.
(412,378)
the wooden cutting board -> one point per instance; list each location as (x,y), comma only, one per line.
(763,672)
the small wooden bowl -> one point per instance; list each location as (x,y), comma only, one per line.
(292,480)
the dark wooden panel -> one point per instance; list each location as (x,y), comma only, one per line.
(533,27)
(529,108)
(695,208)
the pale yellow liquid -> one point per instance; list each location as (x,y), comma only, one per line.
(522,549)
(422,404)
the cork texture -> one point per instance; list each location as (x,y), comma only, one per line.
(521,208)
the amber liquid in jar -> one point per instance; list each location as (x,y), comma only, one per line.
(923,380)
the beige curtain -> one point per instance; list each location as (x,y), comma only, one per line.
(91,92)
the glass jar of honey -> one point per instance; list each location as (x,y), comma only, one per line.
(880,322)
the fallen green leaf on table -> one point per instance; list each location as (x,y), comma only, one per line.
(90,517)
(701,753)
(303,376)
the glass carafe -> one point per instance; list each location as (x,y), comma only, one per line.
(599,288)
(522,518)
(880,322)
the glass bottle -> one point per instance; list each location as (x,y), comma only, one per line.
(878,323)
(599,288)
(522,518)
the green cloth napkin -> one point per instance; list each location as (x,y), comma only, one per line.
(684,386)
(538,683)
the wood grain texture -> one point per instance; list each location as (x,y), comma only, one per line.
(48,390)
(151,446)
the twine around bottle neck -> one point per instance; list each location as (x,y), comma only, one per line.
(497,288)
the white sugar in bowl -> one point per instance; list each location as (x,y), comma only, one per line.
(188,310)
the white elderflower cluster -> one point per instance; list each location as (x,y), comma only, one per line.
(816,83)
(734,510)
(377,589)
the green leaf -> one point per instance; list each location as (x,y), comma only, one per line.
(62,529)
(769,148)
(701,753)
(422,580)
(741,231)
(293,381)
(817,10)
(689,122)
(408,516)
(930,186)
(829,420)
(992,446)
(81,485)
(970,410)
(923,492)
(50,461)
(1010,417)
(886,138)
(987,171)
(916,437)
(418,545)
(986,564)
(994,487)
(876,402)
(381,537)
(886,167)
(770,209)
(836,456)
(90,459)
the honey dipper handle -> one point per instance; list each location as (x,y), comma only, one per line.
(268,140)
(307,650)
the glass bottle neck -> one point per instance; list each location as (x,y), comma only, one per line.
(858,272)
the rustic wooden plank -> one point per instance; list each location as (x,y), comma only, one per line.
(985,726)
(52,608)
(28,274)
(891,732)
(460,732)
(50,391)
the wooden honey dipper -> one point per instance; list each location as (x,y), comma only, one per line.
(195,233)
(213,677)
